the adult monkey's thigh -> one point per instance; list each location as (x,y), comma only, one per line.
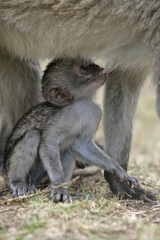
(19,90)
(121,95)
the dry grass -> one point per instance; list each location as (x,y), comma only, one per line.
(105,217)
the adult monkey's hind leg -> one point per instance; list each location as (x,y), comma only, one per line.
(121,95)
(19,90)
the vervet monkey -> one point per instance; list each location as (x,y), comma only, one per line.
(60,130)
(124,33)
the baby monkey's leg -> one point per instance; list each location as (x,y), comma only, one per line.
(38,175)
(21,161)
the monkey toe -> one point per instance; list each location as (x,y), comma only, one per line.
(60,195)
(31,189)
(124,191)
(23,190)
(15,193)
(66,198)
(19,191)
(57,197)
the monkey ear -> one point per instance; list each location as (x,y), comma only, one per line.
(59,96)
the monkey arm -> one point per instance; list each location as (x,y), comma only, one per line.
(68,164)
(50,158)
(91,153)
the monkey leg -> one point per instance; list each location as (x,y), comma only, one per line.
(155,64)
(68,165)
(21,161)
(38,174)
(3,139)
(19,90)
(121,95)
(158,100)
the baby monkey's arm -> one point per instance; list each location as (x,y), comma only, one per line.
(88,151)
(50,157)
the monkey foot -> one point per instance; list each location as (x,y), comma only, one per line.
(124,190)
(60,195)
(20,189)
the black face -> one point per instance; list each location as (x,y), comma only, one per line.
(86,78)
(88,73)
(91,68)
(78,77)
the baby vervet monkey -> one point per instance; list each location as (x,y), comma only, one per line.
(60,130)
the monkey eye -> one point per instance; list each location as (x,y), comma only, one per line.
(83,68)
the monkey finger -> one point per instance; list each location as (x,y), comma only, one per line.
(145,198)
(134,181)
(65,197)
(22,191)
(15,192)
(123,190)
(32,189)
(53,194)
(130,184)
(60,194)
(69,199)
(131,180)
(58,197)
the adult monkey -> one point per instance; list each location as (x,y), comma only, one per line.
(124,33)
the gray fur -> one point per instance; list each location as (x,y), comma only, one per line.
(125,33)
(21,161)
(122,91)
(59,135)
(19,90)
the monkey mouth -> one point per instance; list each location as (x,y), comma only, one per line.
(103,74)
(101,78)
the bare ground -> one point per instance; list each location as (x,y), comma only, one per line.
(105,217)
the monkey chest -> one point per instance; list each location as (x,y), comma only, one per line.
(81,124)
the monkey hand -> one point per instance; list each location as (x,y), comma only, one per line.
(123,176)
(60,195)
(124,191)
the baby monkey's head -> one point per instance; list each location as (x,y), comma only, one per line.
(70,79)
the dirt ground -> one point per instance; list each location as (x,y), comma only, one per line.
(105,217)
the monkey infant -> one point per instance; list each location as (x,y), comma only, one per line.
(60,130)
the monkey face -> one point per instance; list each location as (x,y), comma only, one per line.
(71,79)
(89,73)
(88,78)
